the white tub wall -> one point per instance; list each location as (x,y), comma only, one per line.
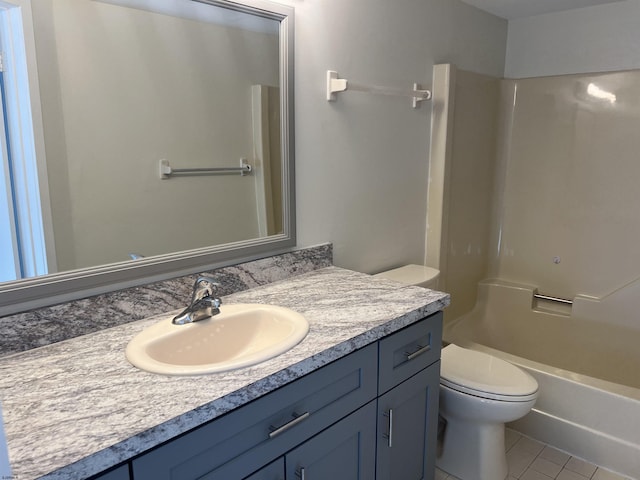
(438,198)
(472,180)
(461,177)
(559,188)
(619,308)
(586,200)
(570,188)
(505,320)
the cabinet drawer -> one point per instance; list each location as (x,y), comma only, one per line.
(408,351)
(247,438)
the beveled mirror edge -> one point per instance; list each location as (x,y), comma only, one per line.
(37,292)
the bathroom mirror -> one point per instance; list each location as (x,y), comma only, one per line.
(124,92)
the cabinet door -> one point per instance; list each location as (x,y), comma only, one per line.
(344,451)
(407,428)
(273,471)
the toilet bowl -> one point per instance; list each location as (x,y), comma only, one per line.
(478,394)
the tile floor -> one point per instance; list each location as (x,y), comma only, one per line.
(532,460)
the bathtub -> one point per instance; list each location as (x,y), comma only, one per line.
(588,370)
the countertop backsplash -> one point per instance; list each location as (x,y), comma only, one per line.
(36,328)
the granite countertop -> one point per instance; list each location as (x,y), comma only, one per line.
(77,407)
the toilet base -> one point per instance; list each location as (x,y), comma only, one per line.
(473,451)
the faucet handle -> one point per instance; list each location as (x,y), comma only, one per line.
(204,287)
(204,304)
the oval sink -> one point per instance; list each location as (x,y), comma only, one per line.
(239,336)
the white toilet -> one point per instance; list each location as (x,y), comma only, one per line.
(479,393)
(417,275)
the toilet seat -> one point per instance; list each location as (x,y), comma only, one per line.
(483,375)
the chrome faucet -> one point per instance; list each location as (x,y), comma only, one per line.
(204,302)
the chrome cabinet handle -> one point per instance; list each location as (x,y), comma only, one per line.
(389,436)
(300,473)
(275,431)
(417,353)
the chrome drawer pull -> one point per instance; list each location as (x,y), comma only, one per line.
(275,431)
(300,474)
(389,436)
(417,353)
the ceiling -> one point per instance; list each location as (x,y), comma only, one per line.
(510,9)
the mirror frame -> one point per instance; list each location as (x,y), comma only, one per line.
(46,290)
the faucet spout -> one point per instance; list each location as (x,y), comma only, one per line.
(204,302)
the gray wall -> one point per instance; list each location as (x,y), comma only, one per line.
(362,162)
(592,39)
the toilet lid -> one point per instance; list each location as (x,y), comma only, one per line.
(484,375)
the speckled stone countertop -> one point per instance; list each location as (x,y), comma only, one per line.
(77,407)
(43,326)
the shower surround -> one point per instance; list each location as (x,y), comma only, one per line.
(555,216)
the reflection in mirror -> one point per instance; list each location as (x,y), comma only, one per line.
(117,88)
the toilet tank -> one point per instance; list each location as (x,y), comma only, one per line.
(418,275)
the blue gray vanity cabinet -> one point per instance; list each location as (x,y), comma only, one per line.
(344,451)
(243,441)
(329,424)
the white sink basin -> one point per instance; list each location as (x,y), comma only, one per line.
(239,336)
